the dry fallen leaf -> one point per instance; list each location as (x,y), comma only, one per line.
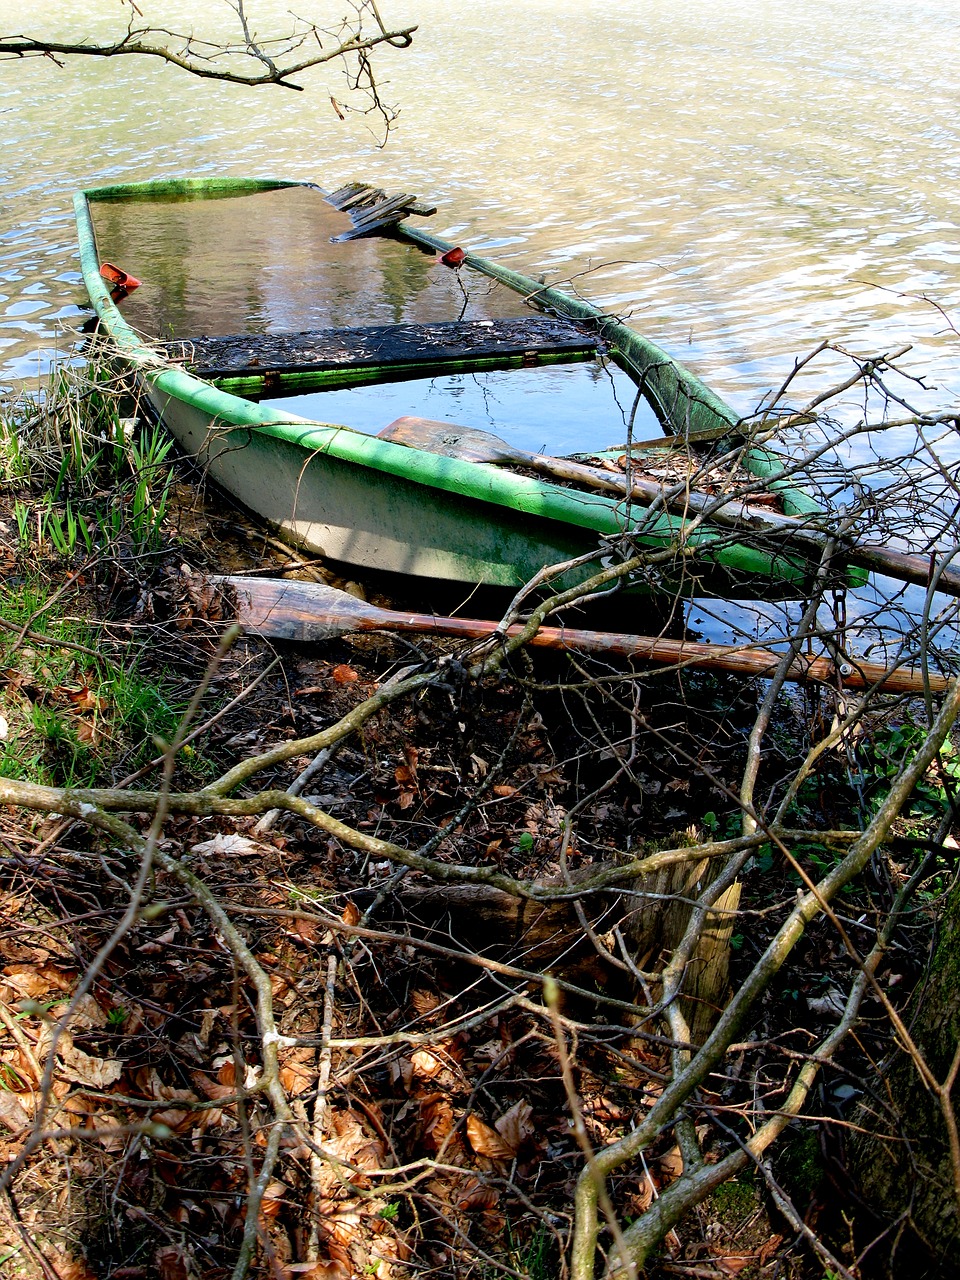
(516,1125)
(12,1113)
(829,1005)
(233,843)
(476,1196)
(173,1263)
(639,1201)
(424,1002)
(426,1064)
(297,1076)
(344,674)
(318,1270)
(486,1141)
(207,1018)
(350,914)
(307,931)
(70,1268)
(437,1115)
(34,981)
(731,1264)
(209,1089)
(768,1249)
(82,1068)
(273,1198)
(174,1118)
(670,1166)
(82,698)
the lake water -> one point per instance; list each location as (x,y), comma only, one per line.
(740,180)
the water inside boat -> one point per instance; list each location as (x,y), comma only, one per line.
(264,265)
(555,409)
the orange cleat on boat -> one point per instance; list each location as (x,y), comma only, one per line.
(119,278)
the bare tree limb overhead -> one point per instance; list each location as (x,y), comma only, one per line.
(243,56)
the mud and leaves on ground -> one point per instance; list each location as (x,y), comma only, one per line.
(398,1018)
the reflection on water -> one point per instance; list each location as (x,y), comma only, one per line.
(554,409)
(264,263)
(754,176)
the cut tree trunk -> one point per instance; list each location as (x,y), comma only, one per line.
(651,912)
(656,922)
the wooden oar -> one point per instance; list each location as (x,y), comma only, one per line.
(482,446)
(283,609)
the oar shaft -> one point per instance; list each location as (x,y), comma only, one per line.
(751,662)
(919,570)
(289,610)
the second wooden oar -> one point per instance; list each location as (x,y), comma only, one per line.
(283,609)
(483,446)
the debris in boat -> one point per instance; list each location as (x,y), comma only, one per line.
(682,467)
(649,474)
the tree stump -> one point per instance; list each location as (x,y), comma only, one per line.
(652,912)
(655,925)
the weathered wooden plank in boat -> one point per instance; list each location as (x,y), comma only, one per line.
(421,208)
(379,208)
(371,226)
(352,193)
(372,210)
(381,346)
(369,218)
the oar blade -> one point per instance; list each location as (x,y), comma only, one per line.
(450,440)
(284,609)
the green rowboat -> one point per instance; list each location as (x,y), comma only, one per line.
(277,328)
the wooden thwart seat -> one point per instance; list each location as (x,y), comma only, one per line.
(380,346)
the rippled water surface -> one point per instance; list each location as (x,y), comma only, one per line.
(743,180)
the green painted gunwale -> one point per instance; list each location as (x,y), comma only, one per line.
(684,401)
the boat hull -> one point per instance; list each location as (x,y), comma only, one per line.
(374,504)
(364,517)
(457,523)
